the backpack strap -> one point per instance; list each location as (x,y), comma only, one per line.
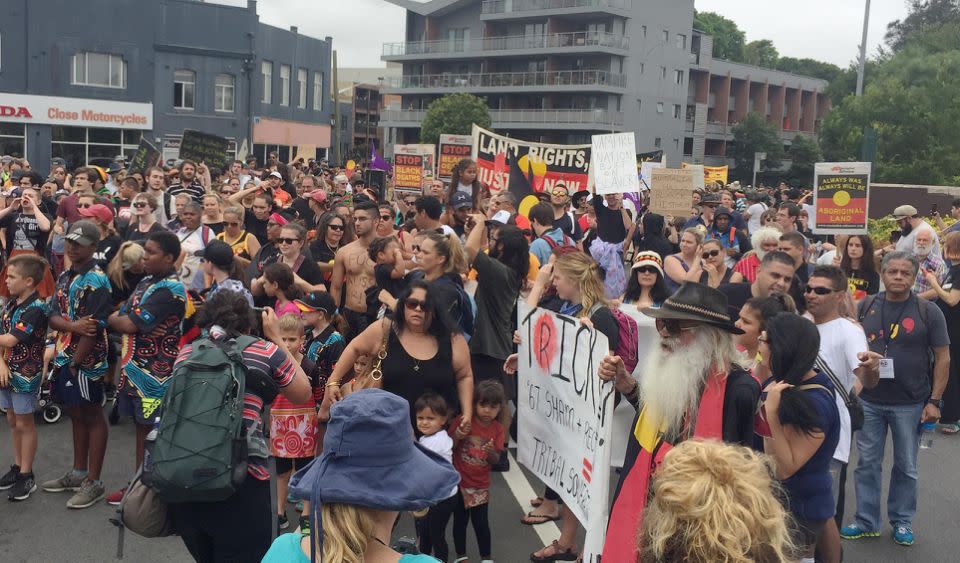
(810,386)
(822,365)
(865,306)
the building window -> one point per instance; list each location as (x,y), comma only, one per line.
(666,36)
(676,144)
(681,41)
(13,139)
(99,69)
(302,88)
(677,111)
(266,68)
(82,145)
(224,88)
(663,72)
(284,85)
(659,107)
(678,76)
(657,142)
(184,89)
(317,91)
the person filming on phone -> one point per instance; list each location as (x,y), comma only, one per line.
(954,212)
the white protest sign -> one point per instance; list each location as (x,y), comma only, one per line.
(699,182)
(646,173)
(613,162)
(565,415)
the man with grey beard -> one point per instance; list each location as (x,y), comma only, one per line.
(929,262)
(693,387)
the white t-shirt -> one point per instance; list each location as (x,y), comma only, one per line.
(441,444)
(905,243)
(755,211)
(840,342)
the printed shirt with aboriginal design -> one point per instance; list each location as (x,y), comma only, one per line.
(323,350)
(157,307)
(27,321)
(83,292)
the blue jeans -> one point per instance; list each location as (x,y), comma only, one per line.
(903,421)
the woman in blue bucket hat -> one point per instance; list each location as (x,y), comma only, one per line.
(370,469)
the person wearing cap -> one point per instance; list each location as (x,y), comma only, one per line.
(459,210)
(708,205)
(109,244)
(187,182)
(27,229)
(222,270)
(646,286)
(691,373)
(910,223)
(78,312)
(84,183)
(733,241)
(115,173)
(150,320)
(507,202)
(370,469)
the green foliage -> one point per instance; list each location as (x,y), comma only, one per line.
(453,114)
(761,53)
(804,153)
(753,134)
(728,40)
(809,67)
(924,17)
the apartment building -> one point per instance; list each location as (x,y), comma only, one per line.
(560,71)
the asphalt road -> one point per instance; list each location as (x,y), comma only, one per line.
(42,529)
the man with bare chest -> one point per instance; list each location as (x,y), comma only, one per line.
(353,266)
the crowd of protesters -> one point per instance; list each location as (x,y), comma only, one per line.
(787,345)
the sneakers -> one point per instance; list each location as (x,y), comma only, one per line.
(23,488)
(69,482)
(855,532)
(9,478)
(114,498)
(87,496)
(903,535)
(282,522)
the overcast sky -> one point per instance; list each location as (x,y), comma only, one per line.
(827,30)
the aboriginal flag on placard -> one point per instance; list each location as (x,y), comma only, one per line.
(519,185)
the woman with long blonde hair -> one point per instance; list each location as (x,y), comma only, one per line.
(715,502)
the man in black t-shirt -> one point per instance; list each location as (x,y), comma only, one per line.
(774,276)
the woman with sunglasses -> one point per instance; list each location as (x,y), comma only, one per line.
(676,266)
(422,352)
(799,423)
(143,220)
(712,268)
(306,274)
(323,249)
(245,246)
(646,286)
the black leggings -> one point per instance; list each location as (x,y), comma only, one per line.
(433,528)
(236,530)
(481,527)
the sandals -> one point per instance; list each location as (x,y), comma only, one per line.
(543,518)
(536,502)
(558,554)
(950,429)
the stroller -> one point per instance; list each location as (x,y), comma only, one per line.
(49,410)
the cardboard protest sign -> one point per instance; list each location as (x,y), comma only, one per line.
(146,156)
(614,163)
(713,174)
(566,415)
(672,191)
(204,147)
(453,149)
(841,197)
(549,164)
(408,173)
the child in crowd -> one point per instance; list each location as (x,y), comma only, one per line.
(388,272)
(473,454)
(23,331)
(432,417)
(293,426)
(278,282)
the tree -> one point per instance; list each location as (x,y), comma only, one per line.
(809,67)
(453,114)
(761,53)
(923,16)
(752,135)
(804,153)
(728,40)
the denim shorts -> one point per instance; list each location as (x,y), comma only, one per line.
(21,403)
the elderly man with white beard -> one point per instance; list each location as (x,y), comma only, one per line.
(693,387)
(929,262)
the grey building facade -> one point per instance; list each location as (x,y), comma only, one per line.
(72,71)
(561,70)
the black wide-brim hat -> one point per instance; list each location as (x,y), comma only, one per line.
(695,302)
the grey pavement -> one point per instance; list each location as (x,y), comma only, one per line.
(42,529)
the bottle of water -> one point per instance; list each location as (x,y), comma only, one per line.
(148,445)
(927,430)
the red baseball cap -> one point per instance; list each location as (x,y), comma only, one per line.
(98,211)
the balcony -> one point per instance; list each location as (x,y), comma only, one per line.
(559,80)
(575,42)
(506,9)
(581,119)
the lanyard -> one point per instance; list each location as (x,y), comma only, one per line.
(887,331)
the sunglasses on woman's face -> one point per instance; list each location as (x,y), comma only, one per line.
(84,205)
(232,223)
(287,240)
(336,227)
(410,303)
(646,270)
(710,254)
(140,204)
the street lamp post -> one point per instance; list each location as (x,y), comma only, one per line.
(863,50)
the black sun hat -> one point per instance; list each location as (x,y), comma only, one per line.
(695,302)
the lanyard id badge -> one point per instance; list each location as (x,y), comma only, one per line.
(886,368)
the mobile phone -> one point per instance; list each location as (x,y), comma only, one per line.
(895,235)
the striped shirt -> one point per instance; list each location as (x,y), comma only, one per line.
(193,189)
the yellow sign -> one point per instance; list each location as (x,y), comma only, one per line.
(715,174)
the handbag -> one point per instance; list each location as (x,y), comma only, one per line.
(372,377)
(854,408)
(142,512)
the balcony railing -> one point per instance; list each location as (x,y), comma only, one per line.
(507,6)
(510,80)
(509,42)
(598,117)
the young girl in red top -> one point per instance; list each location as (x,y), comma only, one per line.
(472,456)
